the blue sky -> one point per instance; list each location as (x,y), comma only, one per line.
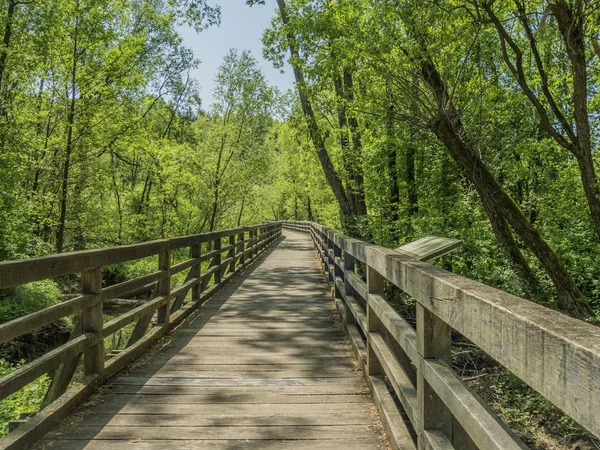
(241,28)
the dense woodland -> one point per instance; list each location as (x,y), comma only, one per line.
(473,119)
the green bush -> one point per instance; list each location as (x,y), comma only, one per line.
(26,400)
(22,300)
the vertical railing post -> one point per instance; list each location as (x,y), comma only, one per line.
(254,242)
(330,261)
(260,238)
(337,271)
(433,341)
(217,260)
(375,285)
(231,253)
(195,252)
(164,284)
(241,248)
(324,255)
(92,321)
(348,269)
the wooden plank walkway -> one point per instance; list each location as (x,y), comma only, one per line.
(263,365)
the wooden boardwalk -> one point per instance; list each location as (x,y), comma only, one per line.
(263,365)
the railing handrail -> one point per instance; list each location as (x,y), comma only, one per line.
(87,338)
(22,271)
(555,354)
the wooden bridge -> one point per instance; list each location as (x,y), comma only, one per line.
(249,351)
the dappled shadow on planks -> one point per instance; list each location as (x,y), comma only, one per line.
(261,365)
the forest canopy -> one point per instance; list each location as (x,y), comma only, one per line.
(468,119)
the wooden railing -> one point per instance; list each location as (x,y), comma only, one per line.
(556,355)
(238,246)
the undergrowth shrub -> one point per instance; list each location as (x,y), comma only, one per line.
(24,401)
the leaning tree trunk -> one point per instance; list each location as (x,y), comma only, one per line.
(449,129)
(314,132)
(511,250)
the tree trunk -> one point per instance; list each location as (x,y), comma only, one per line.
(509,246)
(239,221)
(309,209)
(60,233)
(411,184)
(216,187)
(331,175)
(571,25)
(10,13)
(296,208)
(392,169)
(357,188)
(449,129)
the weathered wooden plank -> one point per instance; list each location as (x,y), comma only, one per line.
(230,420)
(49,417)
(478,419)
(38,319)
(398,434)
(254,355)
(241,375)
(221,432)
(435,440)
(224,392)
(35,369)
(357,312)
(258,359)
(406,392)
(180,381)
(359,286)
(117,323)
(164,284)
(250,333)
(342,364)
(178,294)
(15,273)
(520,335)
(184,265)
(237,398)
(301,385)
(241,444)
(396,326)
(212,409)
(122,289)
(429,247)
(132,353)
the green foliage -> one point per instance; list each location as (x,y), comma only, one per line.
(532,414)
(26,400)
(22,300)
